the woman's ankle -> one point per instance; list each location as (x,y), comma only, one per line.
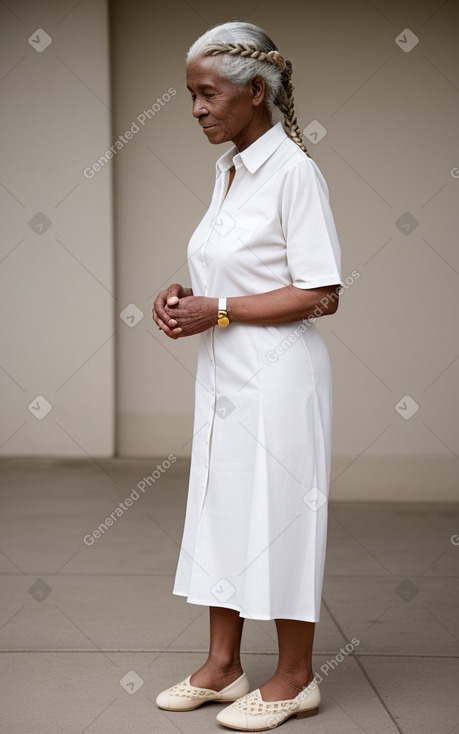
(224,664)
(216,675)
(299,678)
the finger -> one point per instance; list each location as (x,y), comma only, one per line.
(161,298)
(158,320)
(158,304)
(169,318)
(172,300)
(173,333)
(161,324)
(172,323)
(162,314)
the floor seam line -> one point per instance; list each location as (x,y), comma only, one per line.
(149,651)
(364,672)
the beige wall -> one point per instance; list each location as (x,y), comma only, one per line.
(391,143)
(56,249)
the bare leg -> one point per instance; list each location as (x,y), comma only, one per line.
(294,668)
(223,665)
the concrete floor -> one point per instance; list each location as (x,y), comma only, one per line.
(90,634)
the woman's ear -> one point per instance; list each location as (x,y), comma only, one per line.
(258,91)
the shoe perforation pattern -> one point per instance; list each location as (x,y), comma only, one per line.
(254,705)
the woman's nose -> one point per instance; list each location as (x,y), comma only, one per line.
(198,108)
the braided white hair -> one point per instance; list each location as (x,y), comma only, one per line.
(247,51)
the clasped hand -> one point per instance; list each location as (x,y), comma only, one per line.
(177,312)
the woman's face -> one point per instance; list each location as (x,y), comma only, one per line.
(225,110)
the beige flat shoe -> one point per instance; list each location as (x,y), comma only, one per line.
(185,697)
(251,713)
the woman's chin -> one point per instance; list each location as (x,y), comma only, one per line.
(214,134)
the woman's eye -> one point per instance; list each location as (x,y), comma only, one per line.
(209,96)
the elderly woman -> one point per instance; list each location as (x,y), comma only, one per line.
(264,264)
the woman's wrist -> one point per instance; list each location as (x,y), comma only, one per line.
(213,307)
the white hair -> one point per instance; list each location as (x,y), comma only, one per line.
(240,70)
(246,51)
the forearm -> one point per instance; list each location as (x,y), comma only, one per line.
(283,305)
(188,315)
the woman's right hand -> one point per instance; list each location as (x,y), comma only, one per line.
(169,297)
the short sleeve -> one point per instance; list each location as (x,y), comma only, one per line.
(313,249)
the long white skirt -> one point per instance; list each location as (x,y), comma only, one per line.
(254,538)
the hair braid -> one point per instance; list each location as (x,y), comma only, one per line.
(284,98)
(245,50)
(285,102)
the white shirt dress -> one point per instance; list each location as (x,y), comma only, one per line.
(254,538)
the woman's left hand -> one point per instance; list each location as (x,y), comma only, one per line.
(191,315)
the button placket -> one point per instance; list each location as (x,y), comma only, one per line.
(211,417)
(212,360)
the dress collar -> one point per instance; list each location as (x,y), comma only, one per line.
(256,154)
